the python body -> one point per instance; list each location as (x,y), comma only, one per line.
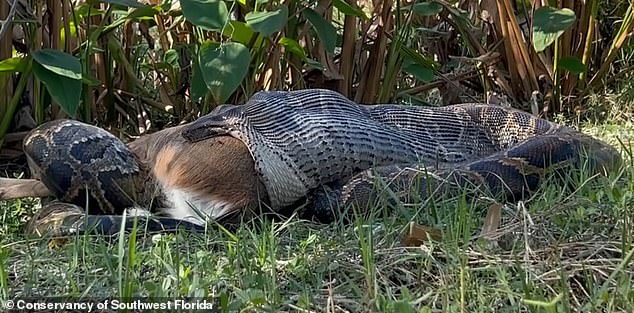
(305,142)
(162,172)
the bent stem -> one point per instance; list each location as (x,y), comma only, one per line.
(13,104)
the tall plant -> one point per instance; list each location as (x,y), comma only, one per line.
(140,65)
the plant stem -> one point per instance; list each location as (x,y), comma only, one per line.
(13,104)
(619,40)
(587,49)
(556,82)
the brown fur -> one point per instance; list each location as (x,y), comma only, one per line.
(219,168)
(14,188)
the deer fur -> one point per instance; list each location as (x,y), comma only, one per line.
(14,188)
(216,176)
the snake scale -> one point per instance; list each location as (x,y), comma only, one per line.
(94,177)
(317,146)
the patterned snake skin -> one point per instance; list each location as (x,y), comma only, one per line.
(91,173)
(74,159)
(318,145)
(303,140)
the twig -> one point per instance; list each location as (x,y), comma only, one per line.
(489,59)
(457,77)
(9,19)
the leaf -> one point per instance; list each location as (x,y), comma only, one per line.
(492,221)
(198,87)
(572,65)
(206,14)
(314,64)
(90,80)
(240,32)
(61,74)
(58,62)
(425,8)
(420,71)
(403,306)
(345,8)
(171,57)
(267,23)
(145,12)
(12,65)
(72,32)
(416,235)
(324,29)
(110,27)
(292,46)
(223,67)
(64,90)
(413,55)
(548,24)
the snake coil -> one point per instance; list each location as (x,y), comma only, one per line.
(319,145)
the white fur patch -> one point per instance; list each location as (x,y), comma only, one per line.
(192,208)
(138,211)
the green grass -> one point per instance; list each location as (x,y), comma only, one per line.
(559,251)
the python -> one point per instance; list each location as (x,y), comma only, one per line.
(311,149)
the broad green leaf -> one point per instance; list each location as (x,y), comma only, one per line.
(64,90)
(12,65)
(240,32)
(548,24)
(171,57)
(292,46)
(267,23)
(412,55)
(345,8)
(198,87)
(127,3)
(223,67)
(324,29)
(572,64)
(58,62)
(61,74)
(424,8)
(145,12)
(420,71)
(206,14)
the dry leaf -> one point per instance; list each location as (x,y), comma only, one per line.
(492,221)
(416,235)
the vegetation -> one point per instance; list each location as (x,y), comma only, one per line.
(559,251)
(141,65)
(136,67)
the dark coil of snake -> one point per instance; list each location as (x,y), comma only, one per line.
(318,150)
(94,177)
